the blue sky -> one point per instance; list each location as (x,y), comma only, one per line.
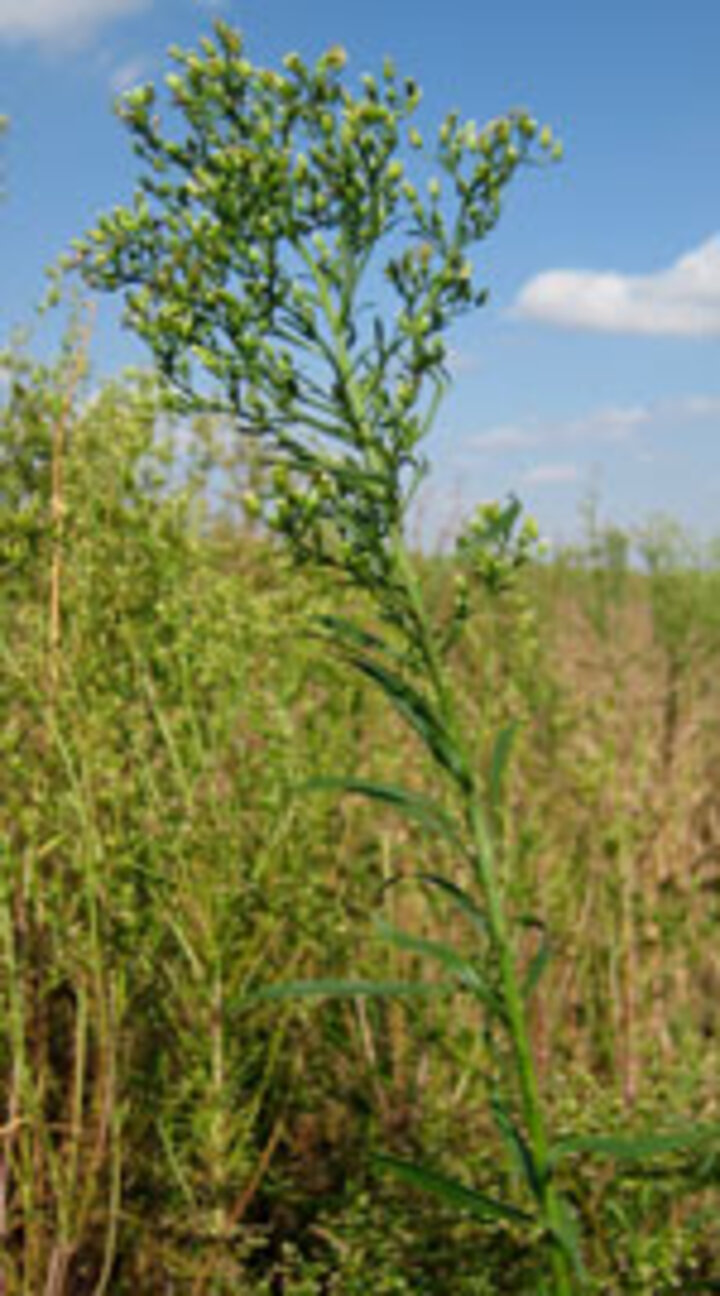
(597,364)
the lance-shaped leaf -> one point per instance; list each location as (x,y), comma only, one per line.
(519,1148)
(454,1193)
(540,958)
(458,897)
(419,714)
(412,804)
(462,969)
(499,761)
(348,634)
(637,1147)
(566,1236)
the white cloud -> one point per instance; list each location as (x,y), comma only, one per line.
(610,425)
(682,300)
(607,424)
(696,407)
(64,21)
(506,436)
(129,74)
(551,474)
(460,361)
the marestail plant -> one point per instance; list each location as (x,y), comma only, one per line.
(294,256)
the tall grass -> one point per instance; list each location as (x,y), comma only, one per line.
(161,1131)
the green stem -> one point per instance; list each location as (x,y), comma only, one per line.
(517,1023)
(420,631)
(500,935)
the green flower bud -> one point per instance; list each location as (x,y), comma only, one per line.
(280,479)
(228,37)
(336,57)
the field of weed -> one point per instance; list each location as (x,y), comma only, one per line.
(166,1129)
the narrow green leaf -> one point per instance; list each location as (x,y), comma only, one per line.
(458,897)
(540,959)
(419,714)
(566,1235)
(348,633)
(454,1193)
(537,966)
(461,968)
(412,804)
(499,760)
(335,989)
(639,1147)
(518,1147)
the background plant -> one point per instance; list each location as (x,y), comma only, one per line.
(149,780)
(246,259)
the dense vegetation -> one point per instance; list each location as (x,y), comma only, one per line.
(162,702)
(247,1018)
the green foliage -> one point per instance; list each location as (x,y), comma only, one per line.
(136,829)
(287,263)
(250,262)
(167,847)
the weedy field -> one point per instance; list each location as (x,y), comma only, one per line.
(358,906)
(164,1127)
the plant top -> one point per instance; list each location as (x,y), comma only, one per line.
(265,238)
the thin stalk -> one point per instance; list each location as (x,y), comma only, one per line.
(629,1058)
(57,499)
(499,931)
(517,1022)
(113,1211)
(421,636)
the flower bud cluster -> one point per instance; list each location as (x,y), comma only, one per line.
(244,261)
(494,545)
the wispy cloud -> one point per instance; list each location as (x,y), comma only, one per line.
(504,437)
(460,361)
(551,474)
(682,300)
(60,21)
(606,425)
(696,407)
(129,74)
(614,426)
